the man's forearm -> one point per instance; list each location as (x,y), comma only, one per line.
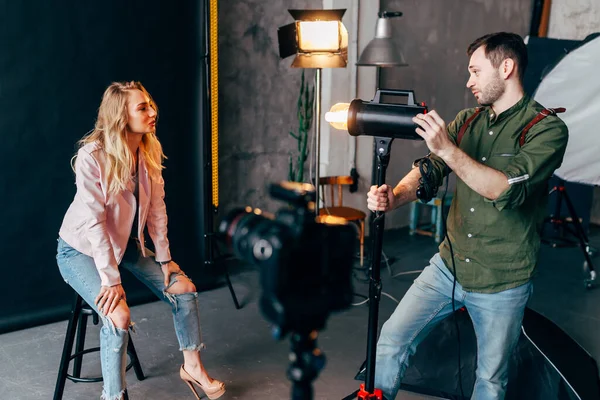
(486,181)
(406,190)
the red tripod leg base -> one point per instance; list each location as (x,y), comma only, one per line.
(364,395)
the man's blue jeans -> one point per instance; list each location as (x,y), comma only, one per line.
(79,271)
(496,319)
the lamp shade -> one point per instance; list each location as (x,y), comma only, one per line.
(383,50)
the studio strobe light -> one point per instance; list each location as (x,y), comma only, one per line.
(374,118)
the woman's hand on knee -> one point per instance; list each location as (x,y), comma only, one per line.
(182,285)
(109,297)
(170,268)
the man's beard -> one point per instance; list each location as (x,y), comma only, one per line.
(492,91)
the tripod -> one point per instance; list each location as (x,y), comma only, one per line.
(577,231)
(306,361)
(367,389)
(211,260)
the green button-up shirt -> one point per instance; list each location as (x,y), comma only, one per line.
(496,243)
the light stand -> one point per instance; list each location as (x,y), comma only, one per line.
(317,139)
(207,163)
(386,122)
(383,51)
(367,389)
(318,39)
(578,232)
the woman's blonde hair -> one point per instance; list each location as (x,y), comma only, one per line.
(110,132)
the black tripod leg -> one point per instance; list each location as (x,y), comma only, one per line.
(555,219)
(583,240)
(211,260)
(233,296)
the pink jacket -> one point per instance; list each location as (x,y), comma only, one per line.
(99,225)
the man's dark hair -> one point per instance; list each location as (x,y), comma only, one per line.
(500,46)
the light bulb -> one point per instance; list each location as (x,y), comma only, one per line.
(337,116)
(318,36)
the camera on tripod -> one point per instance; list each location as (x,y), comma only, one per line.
(305,271)
(305,263)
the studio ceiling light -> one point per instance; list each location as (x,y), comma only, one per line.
(383,50)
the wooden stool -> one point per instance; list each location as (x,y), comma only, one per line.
(79,316)
(337,209)
(434,228)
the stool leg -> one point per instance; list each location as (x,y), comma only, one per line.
(68,346)
(135,360)
(79,343)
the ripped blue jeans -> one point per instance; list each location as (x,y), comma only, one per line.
(80,272)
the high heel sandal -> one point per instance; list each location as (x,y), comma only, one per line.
(214,391)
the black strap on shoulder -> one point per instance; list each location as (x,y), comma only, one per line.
(464,126)
(542,114)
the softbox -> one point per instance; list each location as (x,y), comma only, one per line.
(574,83)
(546,365)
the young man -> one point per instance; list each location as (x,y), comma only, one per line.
(493,223)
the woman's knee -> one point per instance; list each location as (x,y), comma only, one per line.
(183,285)
(121,316)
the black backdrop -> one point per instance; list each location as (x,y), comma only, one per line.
(55,62)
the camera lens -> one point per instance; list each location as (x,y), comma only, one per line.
(252,236)
(262,250)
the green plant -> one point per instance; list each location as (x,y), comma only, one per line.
(305,115)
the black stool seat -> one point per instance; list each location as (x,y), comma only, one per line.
(78,321)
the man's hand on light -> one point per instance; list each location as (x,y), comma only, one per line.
(433,130)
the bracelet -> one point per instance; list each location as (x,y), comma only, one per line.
(164,262)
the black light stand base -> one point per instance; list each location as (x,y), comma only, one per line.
(362,394)
(362,371)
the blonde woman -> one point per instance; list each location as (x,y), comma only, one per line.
(120,191)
